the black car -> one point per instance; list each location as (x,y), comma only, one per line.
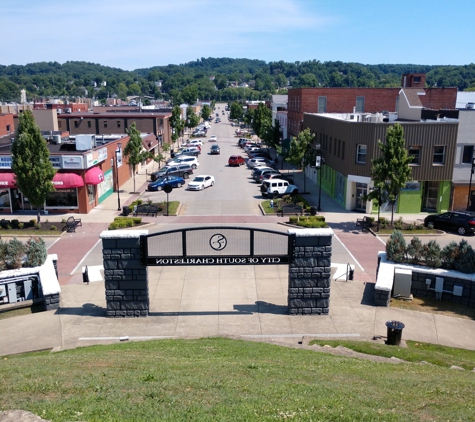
(181,170)
(459,221)
(215,150)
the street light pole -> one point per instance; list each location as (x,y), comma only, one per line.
(117,152)
(470,184)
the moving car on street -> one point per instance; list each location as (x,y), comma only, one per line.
(215,150)
(201,182)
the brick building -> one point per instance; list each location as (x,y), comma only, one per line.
(7,125)
(362,100)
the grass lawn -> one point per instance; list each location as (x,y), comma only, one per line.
(231,380)
(429,305)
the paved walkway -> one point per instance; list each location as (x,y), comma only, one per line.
(245,302)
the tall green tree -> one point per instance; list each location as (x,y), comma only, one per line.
(273,135)
(176,123)
(261,120)
(30,162)
(205,112)
(302,152)
(192,119)
(236,111)
(391,171)
(134,150)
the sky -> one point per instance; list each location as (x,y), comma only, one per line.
(133,34)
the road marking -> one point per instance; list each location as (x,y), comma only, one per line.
(347,250)
(85,256)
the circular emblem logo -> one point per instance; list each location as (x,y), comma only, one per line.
(218,242)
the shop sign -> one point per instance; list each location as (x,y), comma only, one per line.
(72,162)
(6,162)
(96,157)
(56,162)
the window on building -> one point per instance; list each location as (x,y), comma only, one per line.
(417,79)
(322,105)
(343,150)
(60,123)
(415,153)
(359,105)
(62,198)
(105,124)
(8,128)
(89,124)
(76,123)
(467,154)
(439,154)
(118,123)
(339,148)
(361,154)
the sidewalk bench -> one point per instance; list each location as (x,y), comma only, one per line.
(145,209)
(290,210)
(72,223)
(364,223)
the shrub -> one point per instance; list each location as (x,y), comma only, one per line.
(13,253)
(466,258)
(310,222)
(399,224)
(21,225)
(414,250)
(15,223)
(419,226)
(432,254)
(136,220)
(121,223)
(36,252)
(63,220)
(449,255)
(32,223)
(396,247)
(53,228)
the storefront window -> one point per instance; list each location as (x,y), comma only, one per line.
(63,198)
(4,198)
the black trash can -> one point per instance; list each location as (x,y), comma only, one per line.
(394,332)
(313,210)
(125,211)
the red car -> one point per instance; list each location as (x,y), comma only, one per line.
(236,160)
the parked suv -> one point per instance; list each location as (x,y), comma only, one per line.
(182,170)
(256,172)
(461,222)
(185,159)
(277,187)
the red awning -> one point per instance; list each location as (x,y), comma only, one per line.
(7,180)
(67,180)
(94,176)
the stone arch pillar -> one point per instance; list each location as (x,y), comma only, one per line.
(310,272)
(125,277)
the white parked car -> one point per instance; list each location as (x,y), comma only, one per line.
(194,142)
(186,159)
(213,138)
(201,182)
(257,162)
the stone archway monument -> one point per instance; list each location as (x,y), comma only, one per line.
(128,253)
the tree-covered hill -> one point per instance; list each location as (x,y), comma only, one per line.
(208,78)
